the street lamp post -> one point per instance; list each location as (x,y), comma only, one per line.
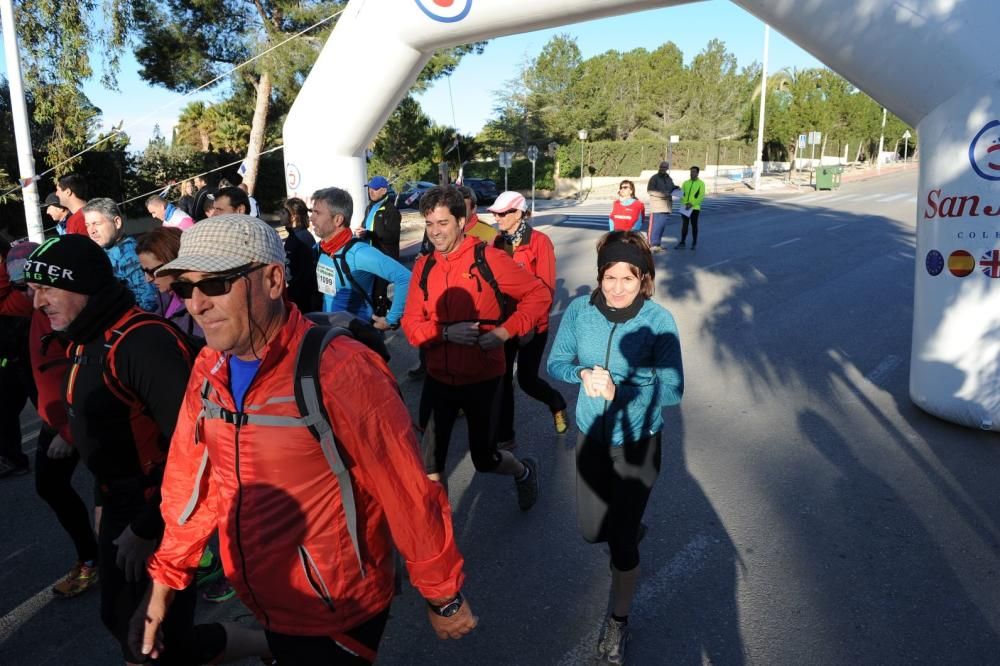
(583,138)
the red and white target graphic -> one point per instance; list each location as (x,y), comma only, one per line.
(446,11)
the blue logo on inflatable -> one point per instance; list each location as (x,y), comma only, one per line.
(446,11)
(984,151)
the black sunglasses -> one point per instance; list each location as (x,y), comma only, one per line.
(213,286)
(506,212)
(151,272)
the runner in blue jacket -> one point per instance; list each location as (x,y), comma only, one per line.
(348,267)
(624,351)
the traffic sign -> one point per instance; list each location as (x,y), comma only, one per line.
(532,153)
(675,138)
(906,134)
(506,160)
(802,140)
(815,138)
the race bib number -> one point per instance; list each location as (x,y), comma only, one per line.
(325,279)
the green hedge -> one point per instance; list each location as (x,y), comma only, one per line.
(630,158)
(519,175)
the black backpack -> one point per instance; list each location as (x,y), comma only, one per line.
(486,273)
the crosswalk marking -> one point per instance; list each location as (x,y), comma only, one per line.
(787,242)
(894,197)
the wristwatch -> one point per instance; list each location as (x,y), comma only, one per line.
(448,608)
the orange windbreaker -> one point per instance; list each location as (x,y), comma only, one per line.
(536,255)
(454,294)
(270,492)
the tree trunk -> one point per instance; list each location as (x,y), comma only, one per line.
(857,156)
(206,140)
(257,130)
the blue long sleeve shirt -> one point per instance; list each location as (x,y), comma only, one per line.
(126,266)
(365,263)
(643,356)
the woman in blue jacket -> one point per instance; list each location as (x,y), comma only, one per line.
(624,351)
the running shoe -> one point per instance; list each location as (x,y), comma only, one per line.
(527,490)
(560,421)
(614,637)
(79,579)
(680,246)
(218,591)
(7,468)
(210,571)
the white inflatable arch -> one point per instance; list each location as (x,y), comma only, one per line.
(928,61)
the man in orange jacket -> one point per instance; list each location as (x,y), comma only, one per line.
(455,312)
(243,461)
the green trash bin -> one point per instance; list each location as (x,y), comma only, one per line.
(828,177)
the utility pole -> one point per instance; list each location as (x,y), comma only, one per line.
(22,135)
(758,165)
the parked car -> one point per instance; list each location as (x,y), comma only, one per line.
(485,189)
(409,196)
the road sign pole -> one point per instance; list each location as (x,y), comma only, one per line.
(532,188)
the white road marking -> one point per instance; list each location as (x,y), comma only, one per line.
(869,197)
(912,200)
(908,255)
(836,226)
(655,591)
(15,619)
(718,263)
(787,242)
(885,366)
(894,197)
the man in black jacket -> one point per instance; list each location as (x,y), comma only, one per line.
(123,392)
(660,189)
(206,189)
(382,229)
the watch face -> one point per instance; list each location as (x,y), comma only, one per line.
(451,608)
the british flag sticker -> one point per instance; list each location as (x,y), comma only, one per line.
(445,11)
(990,263)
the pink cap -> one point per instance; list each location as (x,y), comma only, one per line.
(508,201)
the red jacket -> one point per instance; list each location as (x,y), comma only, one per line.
(536,255)
(270,492)
(455,294)
(48,356)
(75,224)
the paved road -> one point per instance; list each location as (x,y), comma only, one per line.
(807,512)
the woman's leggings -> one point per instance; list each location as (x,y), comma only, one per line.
(612,488)
(694,227)
(529,359)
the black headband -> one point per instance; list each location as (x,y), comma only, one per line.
(628,252)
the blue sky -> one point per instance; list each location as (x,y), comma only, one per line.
(691,27)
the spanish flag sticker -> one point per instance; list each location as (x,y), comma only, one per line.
(961,263)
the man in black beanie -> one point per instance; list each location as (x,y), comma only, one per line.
(123,392)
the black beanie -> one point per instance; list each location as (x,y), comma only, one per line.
(71,262)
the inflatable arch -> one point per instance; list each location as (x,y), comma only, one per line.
(925,60)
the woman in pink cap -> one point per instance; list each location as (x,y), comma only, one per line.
(531,250)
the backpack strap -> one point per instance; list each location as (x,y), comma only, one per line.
(114,338)
(484,269)
(309,398)
(425,274)
(344,272)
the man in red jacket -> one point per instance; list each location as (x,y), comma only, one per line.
(243,461)
(455,316)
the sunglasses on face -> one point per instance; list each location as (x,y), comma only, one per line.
(505,213)
(151,272)
(213,286)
